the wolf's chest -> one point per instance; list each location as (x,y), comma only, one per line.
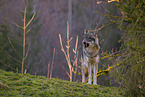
(91,61)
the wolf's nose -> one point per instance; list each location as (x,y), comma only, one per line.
(86,44)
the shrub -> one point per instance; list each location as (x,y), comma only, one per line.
(130,71)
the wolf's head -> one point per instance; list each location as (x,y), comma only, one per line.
(90,39)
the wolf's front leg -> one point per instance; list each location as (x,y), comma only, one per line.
(95,69)
(83,73)
(90,74)
(83,77)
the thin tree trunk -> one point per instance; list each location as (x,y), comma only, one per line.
(52,63)
(23,58)
(70,15)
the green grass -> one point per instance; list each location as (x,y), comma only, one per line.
(18,85)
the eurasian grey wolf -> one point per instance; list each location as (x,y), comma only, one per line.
(91,56)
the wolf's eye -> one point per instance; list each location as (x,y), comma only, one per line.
(91,39)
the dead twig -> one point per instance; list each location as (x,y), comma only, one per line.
(67,53)
(52,63)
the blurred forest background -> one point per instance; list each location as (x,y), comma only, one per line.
(50,21)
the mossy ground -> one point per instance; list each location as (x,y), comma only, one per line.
(17,85)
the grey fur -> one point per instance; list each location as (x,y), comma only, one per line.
(91,56)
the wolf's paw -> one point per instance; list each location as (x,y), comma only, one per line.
(89,83)
(95,84)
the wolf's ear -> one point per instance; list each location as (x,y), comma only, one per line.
(85,31)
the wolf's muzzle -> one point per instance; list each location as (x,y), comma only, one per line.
(86,44)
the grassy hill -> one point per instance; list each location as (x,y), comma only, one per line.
(12,84)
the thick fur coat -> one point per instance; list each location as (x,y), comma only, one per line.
(91,56)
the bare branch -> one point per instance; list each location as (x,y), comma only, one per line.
(48,71)
(13,57)
(7,65)
(61,43)
(104,26)
(75,50)
(17,25)
(28,31)
(66,71)
(62,49)
(30,20)
(27,51)
(66,53)
(14,47)
(25,71)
